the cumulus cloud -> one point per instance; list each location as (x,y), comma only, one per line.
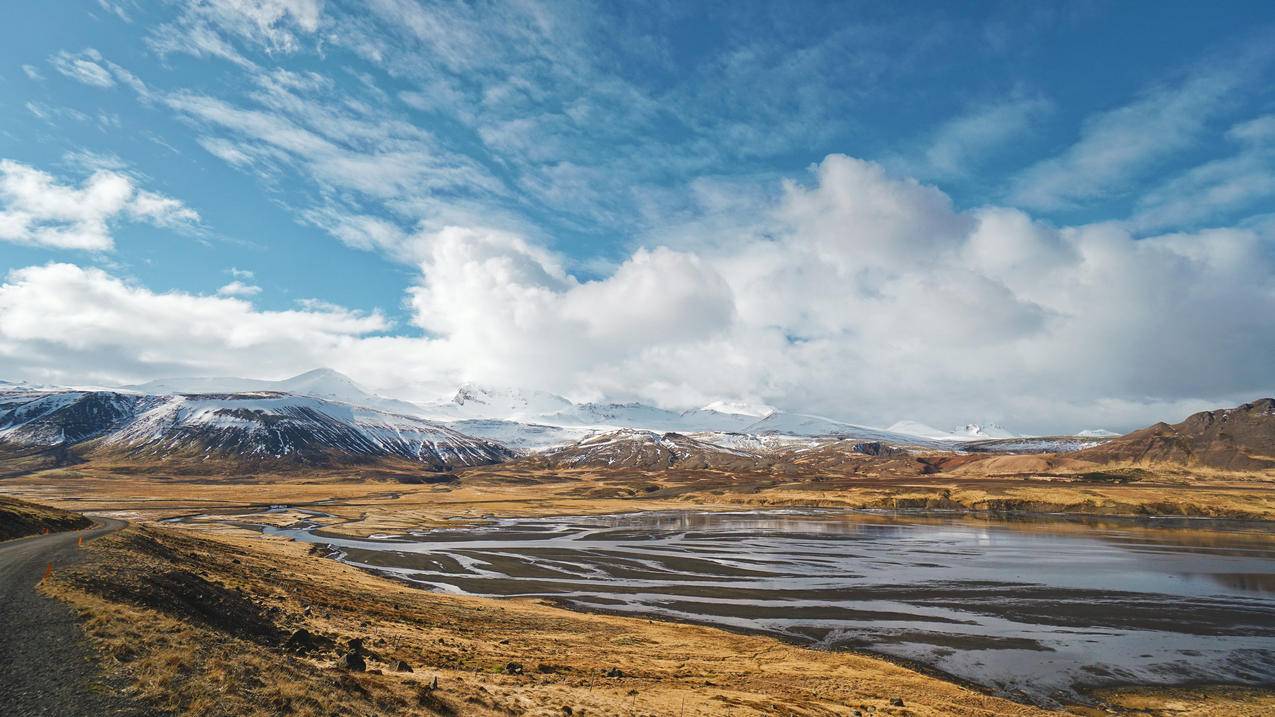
(37,209)
(858,294)
(870,297)
(61,322)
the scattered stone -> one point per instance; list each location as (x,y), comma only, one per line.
(433,683)
(896,702)
(402,666)
(307,610)
(614,672)
(513,668)
(567,711)
(352,661)
(856,713)
(302,641)
(354,644)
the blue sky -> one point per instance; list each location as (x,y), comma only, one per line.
(426,193)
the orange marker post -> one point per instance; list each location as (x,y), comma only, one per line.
(48,572)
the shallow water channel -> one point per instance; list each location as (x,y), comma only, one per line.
(1036,609)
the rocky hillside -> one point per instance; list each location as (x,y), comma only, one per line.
(1240,439)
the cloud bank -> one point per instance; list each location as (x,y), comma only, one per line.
(853,293)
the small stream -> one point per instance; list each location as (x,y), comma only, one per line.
(1035,609)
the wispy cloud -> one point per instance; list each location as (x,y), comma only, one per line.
(964,143)
(83,67)
(1120,145)
(1216,187)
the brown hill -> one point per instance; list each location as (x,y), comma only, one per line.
(1237,439)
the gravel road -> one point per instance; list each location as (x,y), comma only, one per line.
(46,666)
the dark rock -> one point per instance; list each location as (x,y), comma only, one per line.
(896,702)
(352,661)
(303,641)
(401,666)
(614,672)
(567,711)
(354,644)
(513,668)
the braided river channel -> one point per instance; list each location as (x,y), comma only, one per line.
(1037,609)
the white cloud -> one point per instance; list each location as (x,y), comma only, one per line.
(239,288)
(1218,186)
(1123,143)
(273,25)
(37,209)
(871,298)
(857,295)
(61,322)
(961,143)
(32,73)
(83,67)
(240,273)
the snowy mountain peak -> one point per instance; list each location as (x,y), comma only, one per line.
(497,402)
(985,430)
(738,408)
(1097,433)
(322,379)
(322,383)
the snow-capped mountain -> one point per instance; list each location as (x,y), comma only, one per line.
(799,424)
(630,448)
(473,401)
(321,383)
(984,431)
(967,432)
(539,408)
(260,428)
(44,418)
(1097,433)
(520,437)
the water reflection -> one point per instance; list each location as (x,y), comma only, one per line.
(1032,608)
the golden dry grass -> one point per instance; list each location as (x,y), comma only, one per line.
(194,669)
(189,668)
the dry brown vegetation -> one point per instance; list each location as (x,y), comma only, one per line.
(199,622)
(19,518)
(200,619)
(141,590)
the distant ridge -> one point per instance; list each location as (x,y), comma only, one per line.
(1240,438)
